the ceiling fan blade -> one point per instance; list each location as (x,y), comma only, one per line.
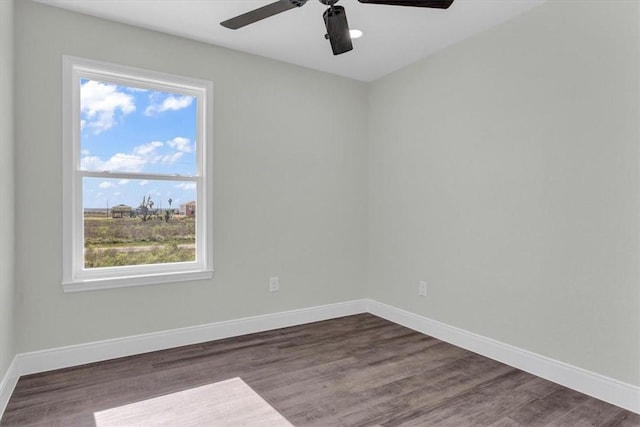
(335,19)
(262,13)
(437,4)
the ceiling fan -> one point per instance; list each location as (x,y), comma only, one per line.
(335,18)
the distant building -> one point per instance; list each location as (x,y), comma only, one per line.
(188,209)
(120,211)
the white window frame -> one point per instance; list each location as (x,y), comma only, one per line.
(75,276)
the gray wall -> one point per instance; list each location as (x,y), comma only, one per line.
(289,185)
(504,171)
(7,283)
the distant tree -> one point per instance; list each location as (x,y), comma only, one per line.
(167,213)
(145,208)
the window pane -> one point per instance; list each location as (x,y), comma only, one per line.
(127,129)
(134,222)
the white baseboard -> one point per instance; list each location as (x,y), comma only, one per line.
(604,388)
(64,357)
(7,385)
(57,358)
(618,393)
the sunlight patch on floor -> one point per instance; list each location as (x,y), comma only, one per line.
(226,403)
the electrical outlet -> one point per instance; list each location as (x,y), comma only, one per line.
(274,284)
(422,288)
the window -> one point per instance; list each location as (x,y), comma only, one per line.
(137,203)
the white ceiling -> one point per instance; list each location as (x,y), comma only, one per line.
(394,36)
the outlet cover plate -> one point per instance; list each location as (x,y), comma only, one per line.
(274,284)
(422,288)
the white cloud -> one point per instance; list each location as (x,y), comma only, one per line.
(186,185)
(144,182)
(100,102)
(146,149)
(119,162)
(122,162)
(123,182)
(117,193)
(172,158)
(106,184)
(181,144)
(92,163)
(170,103)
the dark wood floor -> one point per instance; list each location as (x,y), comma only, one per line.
(353,371)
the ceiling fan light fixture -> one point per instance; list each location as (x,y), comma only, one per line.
(355,33)
(335,20)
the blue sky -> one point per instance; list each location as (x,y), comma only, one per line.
(125,129)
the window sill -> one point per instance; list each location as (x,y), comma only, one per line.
(125,282)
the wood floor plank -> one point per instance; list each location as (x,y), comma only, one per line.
(543,411)
(591,413)
(353,371)
(625,419)
(505,422)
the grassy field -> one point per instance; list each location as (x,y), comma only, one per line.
(112,242)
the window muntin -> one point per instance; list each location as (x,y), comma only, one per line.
(136,148)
